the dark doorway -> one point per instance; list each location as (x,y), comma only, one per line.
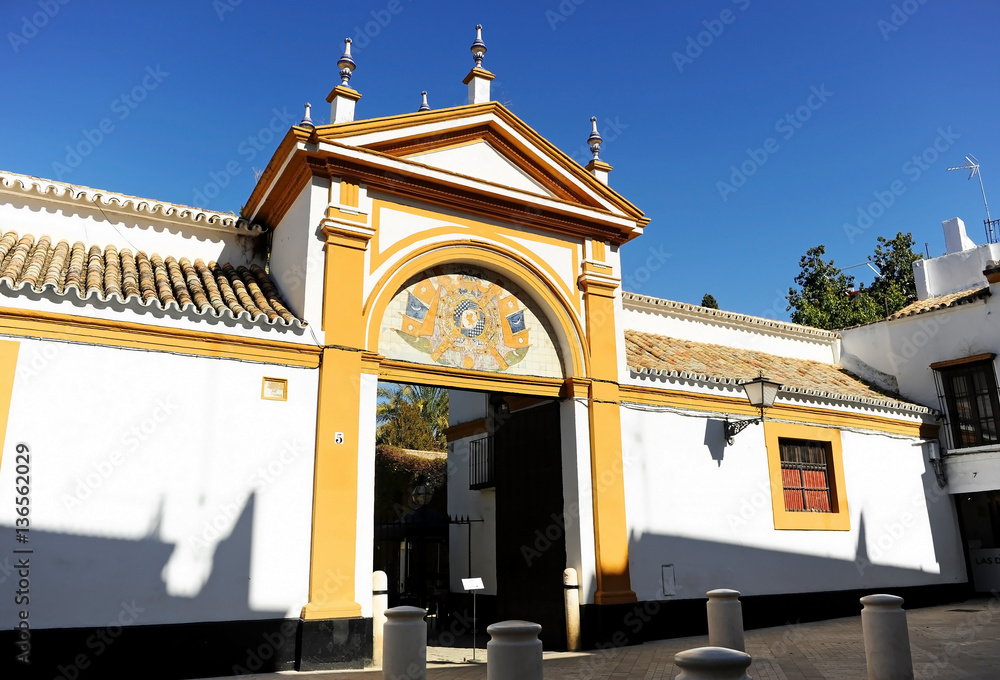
(530,528)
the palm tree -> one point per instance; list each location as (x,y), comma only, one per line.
(430,402)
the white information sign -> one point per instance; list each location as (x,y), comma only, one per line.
(986,569)
(472,583)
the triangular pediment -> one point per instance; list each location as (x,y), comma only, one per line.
(487,161)
(485,142)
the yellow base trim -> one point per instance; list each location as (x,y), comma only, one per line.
(313,612)
(840,518)
(8,368)
(53,326)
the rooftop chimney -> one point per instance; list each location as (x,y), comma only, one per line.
(955,239)
(596,166)
(342,98)
(479,78)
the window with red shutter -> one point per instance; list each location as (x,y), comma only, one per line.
(805,475)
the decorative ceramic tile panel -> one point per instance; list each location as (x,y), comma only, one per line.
(468,317)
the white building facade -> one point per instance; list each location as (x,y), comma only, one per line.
(942,350)
(191,401)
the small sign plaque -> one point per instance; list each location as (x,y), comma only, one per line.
(472,583)
(274,389)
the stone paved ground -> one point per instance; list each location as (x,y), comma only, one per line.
(949,642)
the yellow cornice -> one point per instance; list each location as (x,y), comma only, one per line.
(808,415)
(345,92)
(431,374)
(389,123)
(478,72)
(68,328)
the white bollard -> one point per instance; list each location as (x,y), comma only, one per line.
(571,593)
(725,619)
(887,640)
(712,663)
(380,602)
(514,651)
(404,644)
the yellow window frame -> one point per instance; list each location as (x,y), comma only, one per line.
(839,519)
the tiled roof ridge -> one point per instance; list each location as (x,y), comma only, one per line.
(120,276)
(890,402)
(734,318)
(40,186)
(955,299)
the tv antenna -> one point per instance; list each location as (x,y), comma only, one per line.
(972,165)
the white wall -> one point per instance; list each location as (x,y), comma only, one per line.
(954,272)
(705,507)
(476,504)
(60,220)
(160,479)
(298,260)
(907,347)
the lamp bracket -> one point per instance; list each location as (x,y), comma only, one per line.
(734,427)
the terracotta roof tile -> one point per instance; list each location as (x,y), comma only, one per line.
(940,302)
(662,355)
(109,273)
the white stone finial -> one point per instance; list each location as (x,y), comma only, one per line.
(346,63)
(424,106)
(595,139)
(478,47)
(306,119)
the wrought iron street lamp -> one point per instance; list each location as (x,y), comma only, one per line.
(761,392)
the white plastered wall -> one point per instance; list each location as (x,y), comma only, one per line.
(163,480)
(86,223)
(704,507)
(298,260)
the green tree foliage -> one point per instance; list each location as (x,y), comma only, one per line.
(397,473)
(826,298)
(412,417)
(708,300)
(894,258)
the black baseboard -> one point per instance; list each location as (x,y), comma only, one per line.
(335,644)
(605,626)
(190,650)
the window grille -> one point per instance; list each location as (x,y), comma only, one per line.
(805,475)
(967,391)
(481,463)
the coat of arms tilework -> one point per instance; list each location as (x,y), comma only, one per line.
(465,320)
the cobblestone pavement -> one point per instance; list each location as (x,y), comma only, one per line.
(948,642)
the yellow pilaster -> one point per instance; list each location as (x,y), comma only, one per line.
(614,585)
(335,484)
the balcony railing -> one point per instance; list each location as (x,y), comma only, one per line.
(481,463)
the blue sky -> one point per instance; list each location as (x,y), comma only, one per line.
(823,104)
